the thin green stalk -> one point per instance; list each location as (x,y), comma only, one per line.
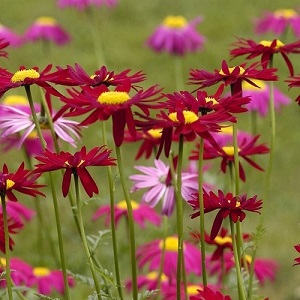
(130,224)
(201,208)
(56,210)
(236,160)
(84,240)
(251,275)
(7,250)
(240,283)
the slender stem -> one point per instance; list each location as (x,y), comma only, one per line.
(112,219)
(251,274)
(237,264)
(236,160)
(201,208)
(130,223)
(7,250)
(84,240)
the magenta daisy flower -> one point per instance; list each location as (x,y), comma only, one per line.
(141,213)
(278,22)
(84,4)
(297,260)
(18,119)
(176,36)
(150,253)
(209,294)
(158,182)
(227,205)
(75,164)
(10,36)
(47,29)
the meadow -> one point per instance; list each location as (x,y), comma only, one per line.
(122,32)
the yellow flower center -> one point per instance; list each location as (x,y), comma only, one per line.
(47,21)
(113,98)
(80,163)
(122,205)
(2,261)
(189,117)
(192,290)
(229,150)
(285,13)
(155,133)
(171,244)
(211,99)
(153,276)
(242,70)
(15,100)
(21,75)
(175,21)
(9,184)
(223,240)
(249,87)
(41,272)
(32,135)
(268,43)
(248,258)
(227,130)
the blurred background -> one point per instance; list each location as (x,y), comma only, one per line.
(122,32)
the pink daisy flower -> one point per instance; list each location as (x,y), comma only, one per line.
(176,36)
(150,253)
(158,181)
(10,36)
(83,4)
(278,22)
(47,29)
(19,119)
(141,213)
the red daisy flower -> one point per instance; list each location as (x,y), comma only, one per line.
(246,148)
(209,294)
(227,205)
(297,260)
(294,82)
(102,104)
(232,76)
(3,44)
(75,164)
(103,76)
(22,181)
(265,49)
(24,77)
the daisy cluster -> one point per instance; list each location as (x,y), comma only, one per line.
(176,133)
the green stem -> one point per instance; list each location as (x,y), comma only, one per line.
(84,240)
(130,223)
(237,264)
(7,250)
(251,275)
(201,208)
(236,160)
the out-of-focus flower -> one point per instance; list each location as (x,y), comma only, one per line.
(75,164)
(23,181)
(227,205)
(13,228)
(18,119)
(246,148)
(170,291)
(294,81)
(84,4)
(278,22)
(266,50)
(233,76)
(158,182)
(10,36)
(260,97)
(209,294)
(141,213)
(26,77)
(47,29)
(150,253)
(101,104)
(176,36)
(18,211)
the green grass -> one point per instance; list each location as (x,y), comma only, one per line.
(122,33)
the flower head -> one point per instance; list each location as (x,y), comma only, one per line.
(297,260)
(47,29)
(150,253)
(158,182)
(265,50)
(233,76)
(278,22)
(75,164)
(18,212)
(141,213)
(176,36)
(84,4)
(10,36)
(209,294)
(227,205)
